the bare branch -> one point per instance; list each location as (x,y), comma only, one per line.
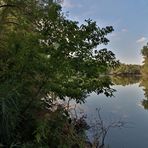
(101,130)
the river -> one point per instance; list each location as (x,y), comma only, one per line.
(129,105)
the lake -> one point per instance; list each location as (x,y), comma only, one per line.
(129,104)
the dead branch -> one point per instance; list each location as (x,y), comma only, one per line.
(101,130)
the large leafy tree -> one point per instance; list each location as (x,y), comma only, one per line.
(145,62)
(41,54)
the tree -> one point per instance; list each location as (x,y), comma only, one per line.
(42,54)
(145,65)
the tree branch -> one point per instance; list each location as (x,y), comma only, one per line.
(7,5)
(32,99)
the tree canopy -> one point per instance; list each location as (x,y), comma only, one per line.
(144,52)
(44,53)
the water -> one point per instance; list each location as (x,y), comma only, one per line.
(127,105)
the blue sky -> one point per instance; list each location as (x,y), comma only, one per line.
(128,18)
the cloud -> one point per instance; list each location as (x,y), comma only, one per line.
(141,40)
(67,4)
(124,30)
(113,34)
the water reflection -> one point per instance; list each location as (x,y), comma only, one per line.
(128,104)
(128,80)
(144,83)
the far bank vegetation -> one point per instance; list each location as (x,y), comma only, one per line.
(126,70)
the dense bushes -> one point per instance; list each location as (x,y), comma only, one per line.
(45,58)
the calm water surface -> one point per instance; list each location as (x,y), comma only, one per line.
(129,104)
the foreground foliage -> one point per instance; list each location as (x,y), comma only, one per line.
(44,58)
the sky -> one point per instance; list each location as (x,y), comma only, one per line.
(129,19)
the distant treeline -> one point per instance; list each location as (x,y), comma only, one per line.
(132,69)
(126,69)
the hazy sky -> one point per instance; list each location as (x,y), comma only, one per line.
(129,19)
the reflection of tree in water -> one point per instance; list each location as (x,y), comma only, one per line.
(132,80)
(144,83)
(119,80)
(145,103)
